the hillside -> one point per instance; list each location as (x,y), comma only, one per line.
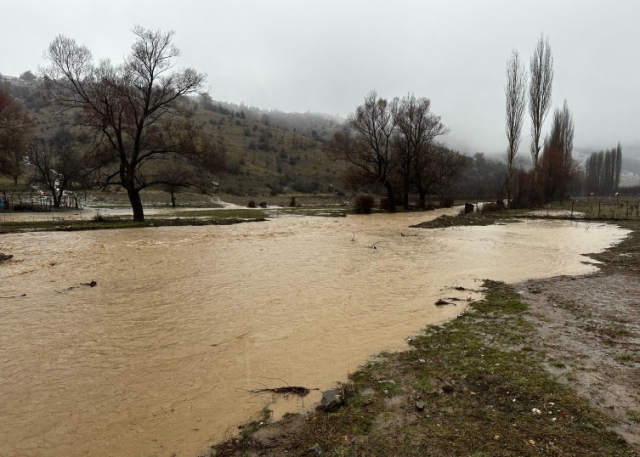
(264,152)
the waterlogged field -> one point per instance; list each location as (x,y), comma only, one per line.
(153,360)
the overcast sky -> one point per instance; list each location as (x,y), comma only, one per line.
(326,55)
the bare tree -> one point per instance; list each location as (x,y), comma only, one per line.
(135,106)
(366,142)
(562,129)
(557,162)
(15,126)
(447,167)
(176,173)
(56,163)
(540,85)
(550,178)
(417,127)
(567,131)
(603,171)
(515,93)
(618,168)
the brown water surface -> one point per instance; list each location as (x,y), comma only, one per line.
(152,360)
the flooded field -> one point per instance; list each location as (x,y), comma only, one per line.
(153,359)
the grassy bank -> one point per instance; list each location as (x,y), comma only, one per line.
(473,387)
(106,223)
(465,220)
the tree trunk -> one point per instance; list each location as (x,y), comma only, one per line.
(390,196)
(509,185)
(423,199)
(405,200)
(136,205)
(173,199)
(422,192)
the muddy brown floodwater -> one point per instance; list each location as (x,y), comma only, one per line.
(153,360)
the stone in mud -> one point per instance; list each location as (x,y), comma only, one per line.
(5,256)
(448,388)
(419,406)
(331,400)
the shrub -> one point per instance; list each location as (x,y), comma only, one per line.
(364,204)
(251,204)
(102,218)
(292,202)
(489,208)
(446,202)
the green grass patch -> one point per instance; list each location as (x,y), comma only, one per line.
(634,416)
(626,358)
(236,213)
(468,220)
(110,223)
(557,364)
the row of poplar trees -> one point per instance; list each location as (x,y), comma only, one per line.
(554,168)
(603,171)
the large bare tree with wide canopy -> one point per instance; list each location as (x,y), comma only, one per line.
(417,127)
(366,142)
(134,108)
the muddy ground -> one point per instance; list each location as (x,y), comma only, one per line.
(590,329)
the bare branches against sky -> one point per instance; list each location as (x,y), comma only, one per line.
(325,56)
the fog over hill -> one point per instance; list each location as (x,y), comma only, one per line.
(309,56)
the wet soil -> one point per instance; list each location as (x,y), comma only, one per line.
(590,328)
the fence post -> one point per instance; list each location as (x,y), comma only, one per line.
(572,202)
(599,203)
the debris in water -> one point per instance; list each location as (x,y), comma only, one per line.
(294,390)
(93,283)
